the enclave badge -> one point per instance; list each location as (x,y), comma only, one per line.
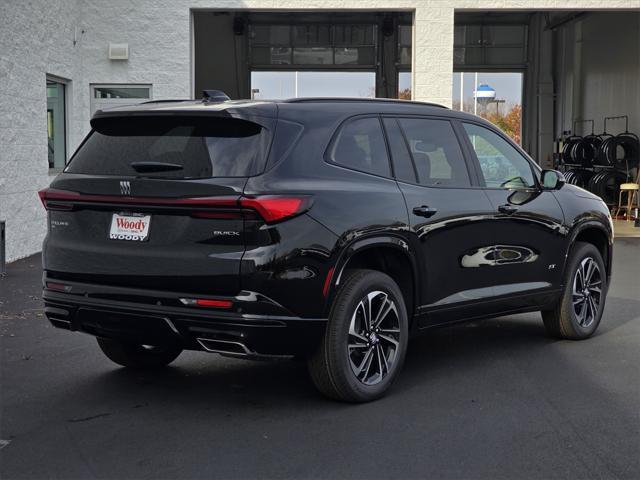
(125,187)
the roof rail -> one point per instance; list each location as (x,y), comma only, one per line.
(168,100)
(356,99)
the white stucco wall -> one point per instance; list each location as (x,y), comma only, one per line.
(37,38)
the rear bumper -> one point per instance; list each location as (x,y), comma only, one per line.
(230,332)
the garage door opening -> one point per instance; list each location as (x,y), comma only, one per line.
(294,54)
(279,85)
(495,96)
(571,78)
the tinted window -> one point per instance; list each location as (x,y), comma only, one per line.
(172,147)
(402,163)
(436,152)
(501,164)
(360,145)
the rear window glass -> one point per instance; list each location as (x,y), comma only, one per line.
(172,147)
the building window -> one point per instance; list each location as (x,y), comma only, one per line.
(313,45)
(490,45)
(404,85)
(56,124)
(405,32)
(109,96)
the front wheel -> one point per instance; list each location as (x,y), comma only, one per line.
(578,312)
(138,356)
(365,341)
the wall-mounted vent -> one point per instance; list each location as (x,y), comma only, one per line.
(118,51)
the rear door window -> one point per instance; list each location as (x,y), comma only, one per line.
(402,164)
(172,147)
(436,152)
(360,145)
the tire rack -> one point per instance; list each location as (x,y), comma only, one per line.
(593,161)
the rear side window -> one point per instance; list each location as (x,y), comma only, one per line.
(360,146)
(436,152)
(172,147)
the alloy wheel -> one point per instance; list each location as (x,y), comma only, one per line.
(587,292)
(374,337)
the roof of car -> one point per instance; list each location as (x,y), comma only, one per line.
(269,108)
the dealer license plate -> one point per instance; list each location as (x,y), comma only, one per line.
(130,227)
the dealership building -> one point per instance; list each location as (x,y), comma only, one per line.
(61,60)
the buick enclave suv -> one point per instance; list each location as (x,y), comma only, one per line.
(326,229)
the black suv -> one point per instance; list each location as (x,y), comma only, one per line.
(326,229)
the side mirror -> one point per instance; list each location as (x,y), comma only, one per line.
(552,180)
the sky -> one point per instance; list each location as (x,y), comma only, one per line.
(508,86)
(273,85)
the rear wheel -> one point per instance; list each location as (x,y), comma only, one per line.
(138,356)
(365,341)
(578,312)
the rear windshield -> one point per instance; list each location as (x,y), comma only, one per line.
(172,147)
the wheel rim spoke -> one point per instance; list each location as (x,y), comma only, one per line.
(385,308)
(577,299)
(370,356)
(390,330)
(588,272)
(389,339)
(384,357)
(373,337)
(594,308)
(378,357)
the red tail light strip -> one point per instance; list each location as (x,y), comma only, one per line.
(207,302)
(60,287)
(49,196)
(272,208)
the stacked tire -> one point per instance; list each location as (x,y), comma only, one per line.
(600,163)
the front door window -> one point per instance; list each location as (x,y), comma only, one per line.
(502,166)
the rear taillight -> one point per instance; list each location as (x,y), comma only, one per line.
(271,208)
(274,208)
(60,287)
(57,199)
(207,302)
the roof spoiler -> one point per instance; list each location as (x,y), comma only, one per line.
(214,96)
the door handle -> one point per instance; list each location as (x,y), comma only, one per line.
(508,209)
(424,211)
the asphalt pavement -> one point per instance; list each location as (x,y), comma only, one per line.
(489,400)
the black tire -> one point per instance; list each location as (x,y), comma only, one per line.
(577,316)
(333,366)
(138,356)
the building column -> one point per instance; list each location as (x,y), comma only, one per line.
(433,53)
